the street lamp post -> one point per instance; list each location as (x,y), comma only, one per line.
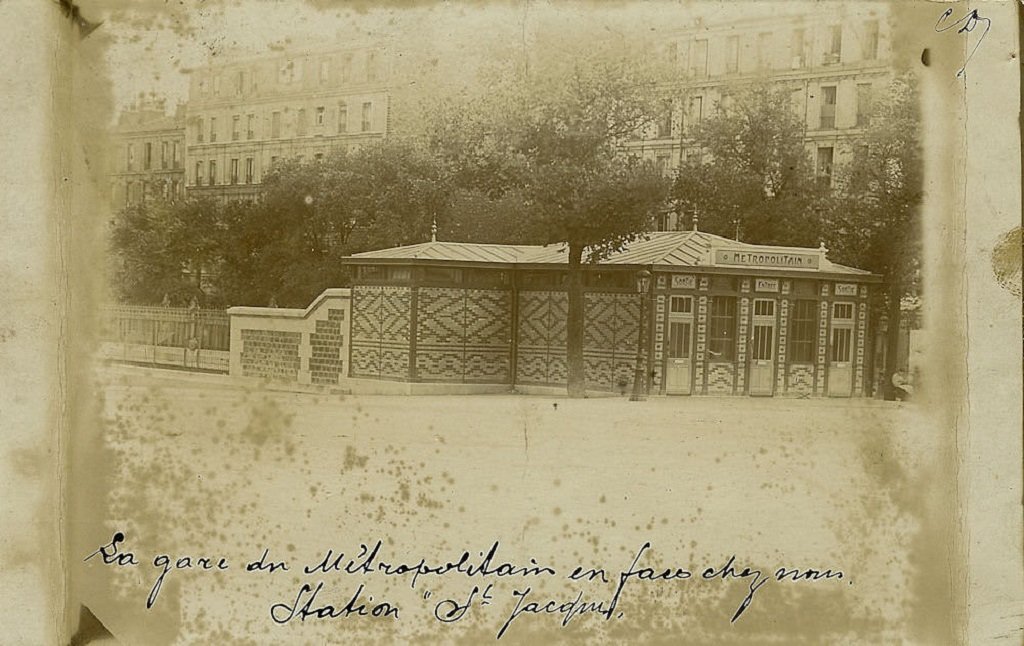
(643,282)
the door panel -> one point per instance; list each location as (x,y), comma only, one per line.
(762,360)
(678,370)
(840,368)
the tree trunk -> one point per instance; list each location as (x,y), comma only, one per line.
(576,382)
(892,343)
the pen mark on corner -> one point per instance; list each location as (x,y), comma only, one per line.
(967,24)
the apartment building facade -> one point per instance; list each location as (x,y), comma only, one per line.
(836,62)
(147,155)
(246,114)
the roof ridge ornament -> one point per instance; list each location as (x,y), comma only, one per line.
(433,230)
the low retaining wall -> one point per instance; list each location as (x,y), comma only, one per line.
(304,346)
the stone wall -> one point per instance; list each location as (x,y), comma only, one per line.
(304,346)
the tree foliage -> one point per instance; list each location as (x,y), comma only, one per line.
(754,179)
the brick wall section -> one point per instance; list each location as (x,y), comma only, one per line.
(463,335)
(609,339)
(542,338)
(270,354)
(325,362)
(380,332)
(721,378)
(801,379)
(611,328)
(305,346)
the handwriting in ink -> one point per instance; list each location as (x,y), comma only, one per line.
(967,24)
(282,613)
(111,554)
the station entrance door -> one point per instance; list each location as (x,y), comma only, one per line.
(762,348)
(679,371)
(840,366)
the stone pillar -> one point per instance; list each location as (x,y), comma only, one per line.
(740,366)
(699,385)
(819,369)
(659,341)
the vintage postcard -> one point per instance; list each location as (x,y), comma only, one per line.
(524,322)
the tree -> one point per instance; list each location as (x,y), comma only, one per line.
(874,222)
(163,248)
(754,178)
(550,140)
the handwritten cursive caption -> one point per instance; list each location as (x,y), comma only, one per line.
(483,570)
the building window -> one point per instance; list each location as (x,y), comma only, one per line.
(695,111)
(869,45)
(764,43)
(672,53)
(234,171)
(681,305)
(824,165)
(129,157)
(833,54)
(372,71)
(443,275)
(202,87)
(342,117)
(325,71)
(253,80)
(239,82)
(286,73)
(213,129)
(346,68)
(213,172)
(275,125)
(320,113)
(367,112)
(300,122)
(828,108)
(722,328)
(147,155)
(662,163)
(163,155)
(176,154)
(803,331)
(732,54)
(842,332)
(250,126)
(199,130)
(273,161)
(665,122)
(863,104)
(236,127)
(248,170)
(699,60)
(199,173)
(216,85)
(798,49)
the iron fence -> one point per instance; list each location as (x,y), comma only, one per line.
(187,337)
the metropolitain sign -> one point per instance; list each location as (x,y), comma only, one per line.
(781,259)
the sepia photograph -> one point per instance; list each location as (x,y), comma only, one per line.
(525,322)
